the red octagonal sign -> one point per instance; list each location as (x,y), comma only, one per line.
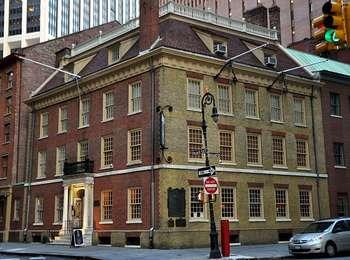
(211,185)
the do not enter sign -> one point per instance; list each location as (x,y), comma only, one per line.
(211,185)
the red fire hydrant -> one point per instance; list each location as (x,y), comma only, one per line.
(225,238)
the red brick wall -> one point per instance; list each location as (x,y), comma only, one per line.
(149,22)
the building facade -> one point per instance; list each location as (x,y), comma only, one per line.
(28,22)
(99,159)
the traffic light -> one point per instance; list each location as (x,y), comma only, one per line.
(332,27)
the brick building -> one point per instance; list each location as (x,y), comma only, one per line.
(99,162)
(17,80)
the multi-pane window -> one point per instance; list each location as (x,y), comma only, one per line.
(60,158)
(224,99)
(253,148)
(83,150)
(194,91)
(226,146)
(107,151)
(135,98)
(335,104)
(251,103)
(7,128)
(4,166)
(39,210)
(278,151)
(196,206)
(281,196)
(276,107)
(255,203)
(58,209)
(134,204)
(302,153)
(195,143)
(134,139)
(342,205)
(108,106)
(84,112)
(41,164)
(106,208)
(299,111)
(339,154)
(305,203)
(62,119)
(44,124)
(8,105)
(16,209)
(10,77)
(228,203)
(114,53)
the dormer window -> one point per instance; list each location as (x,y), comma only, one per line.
(113,53)
(220,48)
(270,60)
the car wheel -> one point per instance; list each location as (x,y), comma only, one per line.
(331,249)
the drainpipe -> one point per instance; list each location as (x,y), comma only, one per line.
(153,138)
(315,151)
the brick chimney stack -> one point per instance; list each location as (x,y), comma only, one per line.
(149,23)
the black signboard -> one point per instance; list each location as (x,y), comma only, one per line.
(176,202)
(77,238)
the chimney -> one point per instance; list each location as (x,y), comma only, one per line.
(149,23)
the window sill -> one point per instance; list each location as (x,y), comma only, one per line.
(231,219)
(107,167)
(193,220)
(226,114)
(43,137)
(255,165)
(106,222)
(58,175)
(254,118)
(280,167)
(7,114)
(336,116)
(194,109)
(107,120)
(228,163)
(257,220)
(196,161)
(61,132)
(3,178)
(40,177)
(283,220)
(339,167)
(38,224)
(307,219)
(57,223)
(6,142)
(276,122)
(83,126)
(134,163)
(134,221)
(300,125)
(303,169)
(134,113)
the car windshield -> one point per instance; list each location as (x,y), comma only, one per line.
(317,227)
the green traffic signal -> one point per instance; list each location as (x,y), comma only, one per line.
(331,36)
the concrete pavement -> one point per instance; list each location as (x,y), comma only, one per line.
(277,251)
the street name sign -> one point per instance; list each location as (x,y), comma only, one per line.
(211,185)
(206,171)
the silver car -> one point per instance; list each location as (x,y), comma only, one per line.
(328,236)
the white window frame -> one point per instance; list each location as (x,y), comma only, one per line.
(60,159)
(190,159)
(234,217)
(108,109)
(280,100)
(259,163)
(135,101)
(281,218)
(302,100)
(44,125)
(16,209)
(39,206)
(84,112)
(310,217)
(42,159)
(105,220)
(261,217)
(307,159)
(204,217)
(130,219)
(233,160)
(103,151)
(220,99)
(79,150)
(130,147)
(58,217)
(189,106)
(112,50)
(256,103)
(62,120)
(284,165)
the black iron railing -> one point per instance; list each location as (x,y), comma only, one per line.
(86,166)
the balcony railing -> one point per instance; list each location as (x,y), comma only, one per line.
(86,166)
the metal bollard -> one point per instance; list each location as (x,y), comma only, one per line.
(225,238)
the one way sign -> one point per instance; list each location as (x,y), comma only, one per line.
(207,171)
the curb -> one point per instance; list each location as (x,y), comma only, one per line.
(49,254)
(263,258)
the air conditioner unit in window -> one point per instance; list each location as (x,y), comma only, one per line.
(271,61)
(219,49)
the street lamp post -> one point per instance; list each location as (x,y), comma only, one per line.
(208,99)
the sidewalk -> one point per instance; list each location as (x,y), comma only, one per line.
(275,251)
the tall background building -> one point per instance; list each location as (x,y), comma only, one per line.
(27,22)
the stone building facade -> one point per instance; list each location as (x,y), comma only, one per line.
(100,164)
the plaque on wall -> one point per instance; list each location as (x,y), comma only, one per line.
(176,202)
